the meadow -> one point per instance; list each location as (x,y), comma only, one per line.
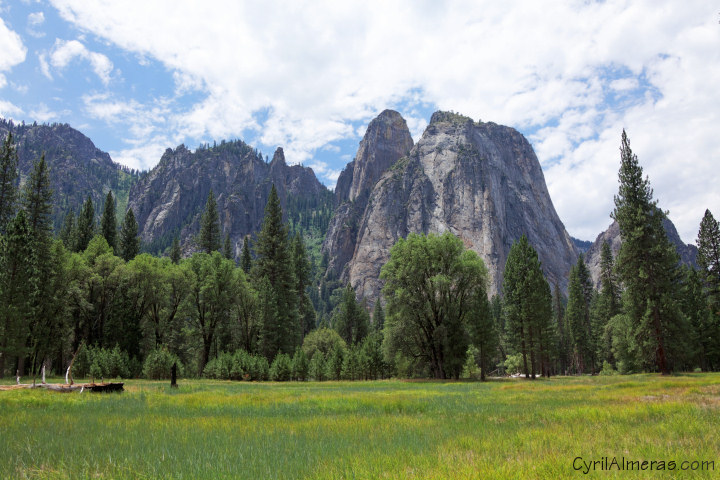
(501,429)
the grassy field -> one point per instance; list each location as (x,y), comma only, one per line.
(389,429)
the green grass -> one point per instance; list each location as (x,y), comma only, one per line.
(388,429)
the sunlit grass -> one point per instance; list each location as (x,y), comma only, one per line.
(388,429)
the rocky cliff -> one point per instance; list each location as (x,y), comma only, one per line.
(77,167)
(480,181)
(386,140)
(170,199)
(686,252)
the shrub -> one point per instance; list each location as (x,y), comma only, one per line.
(158,365)
(316,368)
(281,368)
(300,365)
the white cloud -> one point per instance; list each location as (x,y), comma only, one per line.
(64,52)
(34,21)
(318,68)
(42,113)
(13,51)
(9,110)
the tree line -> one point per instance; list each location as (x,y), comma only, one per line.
(89,296)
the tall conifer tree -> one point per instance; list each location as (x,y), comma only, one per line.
(8,181)
(274,262)
(129,241)
(246,261)
(209,238)
(108,222)
(175,252)
(648,266)
(85,225)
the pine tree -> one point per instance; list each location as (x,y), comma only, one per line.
(562,331)
(302,270)
(378,318)
(708,258)
(246,261)
(68,232)
(648,267)
(351,320)
(274,262)
(175,252)
(606,304)
(108,224)
(577,317)
(527,308)
(129,240)
(227,248)
(209,238)
(85,225)
(16,273)
(37,203)
(8,181)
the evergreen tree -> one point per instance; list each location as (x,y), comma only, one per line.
(209,238)
(8,181)
(302,270)
(68,232)
(562,331)
(37,203)
(246,261)
(606,304)
(85,225)
(175,252)
(351,320)
(227,248)
(647,264)
(378,318)
(108,224)
(274,262)
(484,334)
(708,258)
(527,308)
(129,240)
(577,316)
(16,273)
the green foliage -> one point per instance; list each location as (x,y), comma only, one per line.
(378,317)
(281,331)
(175,253)
(471,369)
(527,308)
(227,248)
(708,243)
(246,260)
(281,369)
(209,237)
(8,181)
(334,363)
(323,340)
(351,320)
(577,316)
(86,225)
(431,284)
(129,240)
(108,225)
(317,367)
(158,365)
(300,365)
(647,263)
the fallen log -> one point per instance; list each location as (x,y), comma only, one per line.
(78,387)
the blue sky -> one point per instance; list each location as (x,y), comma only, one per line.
(138,77)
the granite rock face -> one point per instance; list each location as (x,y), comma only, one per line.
(686,252)
(386,140)
(170,199)
(480,181)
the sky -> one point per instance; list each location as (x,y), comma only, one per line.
(138,77)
